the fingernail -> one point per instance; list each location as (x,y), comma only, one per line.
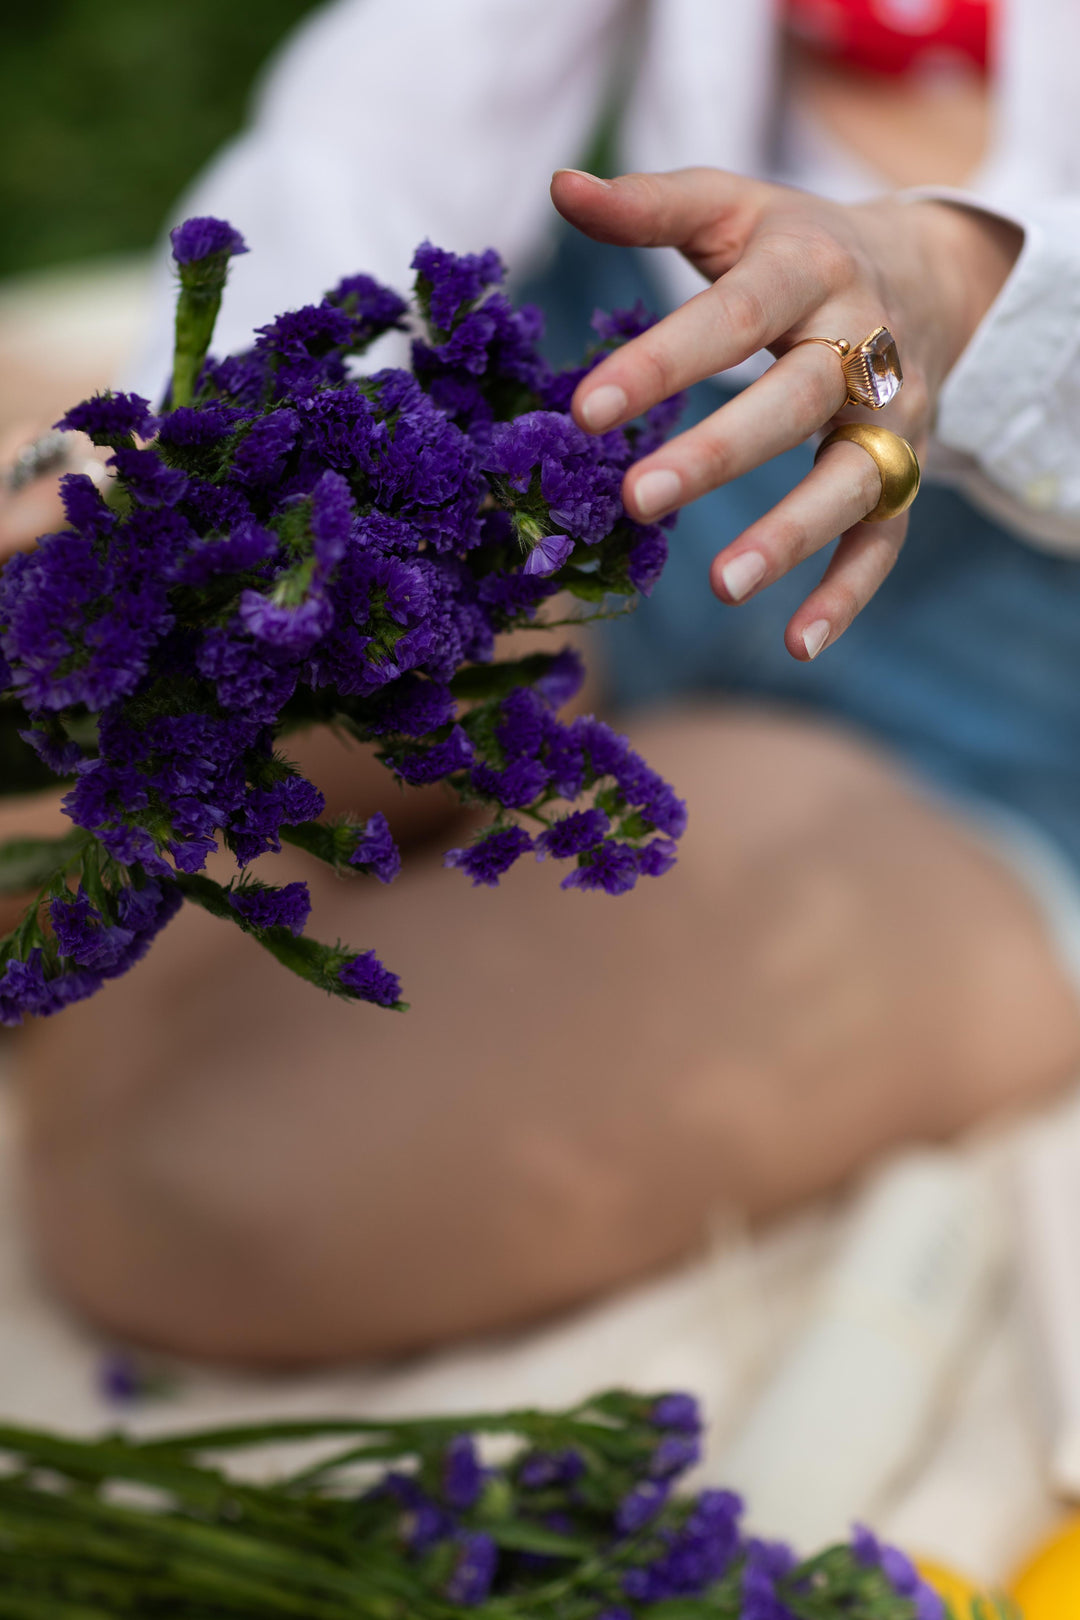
(742,573)
(815,636)
(656,491)
(583,174)
(604,406)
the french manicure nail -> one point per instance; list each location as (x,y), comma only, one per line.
(604,406)
(657,491)
(742,573)
(583,174)
(815,636)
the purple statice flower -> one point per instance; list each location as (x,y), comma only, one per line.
(147,478)
(83,934)
(77,626)
(577,480)
(60,753)
(493,854)
(454,280)
(245,679)
(305,348)
(28,989)
(443,759)
(613,1612)
(84,507)
(775,1557)
(563,678)
(674,1455)
(571,835)
(463,1474)
(203,238)
(641,1505)
(759,1596)
(899,1571)
(332,516)
(865,1546)
(539,1470)
(294,537)
(506,596)
(548,555)
(660,421)
(365,977)
(215,509)
(259,458)
(680,1412)
(375,850)
(472,1580)
(191,428)
(291,629)
(425,1523)
(248,546)
(304,334)
(620,325)
(658,857)
(610,866)
(110,419)
(646,559)
(372,308)
(518,786)
(694,1556)
(263,907)
(301,801)
(524,724)
(119,1378)
(413,707)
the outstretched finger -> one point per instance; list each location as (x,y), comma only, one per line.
(836,494)
(794,398)
(860,564)
(771,290)
(707,213)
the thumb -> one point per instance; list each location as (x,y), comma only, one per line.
(707,213)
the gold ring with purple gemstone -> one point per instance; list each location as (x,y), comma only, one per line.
(871,369)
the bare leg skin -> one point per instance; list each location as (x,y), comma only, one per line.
(224,1164)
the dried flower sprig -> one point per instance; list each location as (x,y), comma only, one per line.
(578,1519)
(286,544)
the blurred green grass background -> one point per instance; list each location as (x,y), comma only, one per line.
(109,107)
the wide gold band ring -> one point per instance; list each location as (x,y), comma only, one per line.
(895,460)
(872,369)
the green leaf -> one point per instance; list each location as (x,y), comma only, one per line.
(27,864)
(535,1539)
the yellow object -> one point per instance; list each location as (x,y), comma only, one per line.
(957,1590)
(1048,1585)
(896,462)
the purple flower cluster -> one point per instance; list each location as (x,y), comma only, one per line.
(284,544)
(483,1533)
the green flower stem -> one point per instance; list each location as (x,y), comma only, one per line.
(201,286)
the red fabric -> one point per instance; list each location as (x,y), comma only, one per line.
(894,36)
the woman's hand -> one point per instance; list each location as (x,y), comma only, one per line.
(786,265)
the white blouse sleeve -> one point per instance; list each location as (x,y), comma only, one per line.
(1008,421)
(387,121)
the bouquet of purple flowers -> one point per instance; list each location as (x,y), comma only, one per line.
(286,544)
(575,1518)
